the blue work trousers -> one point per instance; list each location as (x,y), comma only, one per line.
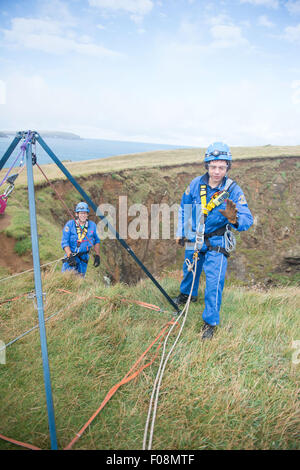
(214,265)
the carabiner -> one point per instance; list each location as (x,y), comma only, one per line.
(8,190)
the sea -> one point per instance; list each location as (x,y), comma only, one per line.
(81,149)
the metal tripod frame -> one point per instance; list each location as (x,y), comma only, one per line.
(36,257)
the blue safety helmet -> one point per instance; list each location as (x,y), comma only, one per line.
(82,207)
(217,151)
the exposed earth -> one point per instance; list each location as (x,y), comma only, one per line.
(267,253)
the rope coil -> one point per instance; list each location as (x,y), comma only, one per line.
(230,240)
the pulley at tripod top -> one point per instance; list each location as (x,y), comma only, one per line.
(11,179)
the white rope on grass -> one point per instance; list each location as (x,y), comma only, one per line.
(161,370)
(37,326)
(28,331)
(29,270)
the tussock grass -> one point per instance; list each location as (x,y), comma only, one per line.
(238,391)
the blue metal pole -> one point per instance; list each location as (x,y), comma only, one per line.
(39,296)
(9,151)
(101,216)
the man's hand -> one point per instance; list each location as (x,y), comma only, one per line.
(96,261)
(180,241)
(230,212)
(72,261)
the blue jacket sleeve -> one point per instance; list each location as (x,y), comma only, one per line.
(244,216)
(96,237)
(184,214)
(65,241)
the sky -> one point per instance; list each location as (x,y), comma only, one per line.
(180,72)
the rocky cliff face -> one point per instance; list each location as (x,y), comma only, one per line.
(268,253)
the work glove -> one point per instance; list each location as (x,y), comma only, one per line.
(72,261)
(180,241)
(230,212)
(96,261)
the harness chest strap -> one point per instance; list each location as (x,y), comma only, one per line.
(81,233)
(216,199)
(203,198)
(207,208)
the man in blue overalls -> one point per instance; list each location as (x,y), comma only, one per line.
(210,207)
(78,238)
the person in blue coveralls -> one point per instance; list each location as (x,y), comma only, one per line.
(77,239)
(211,207)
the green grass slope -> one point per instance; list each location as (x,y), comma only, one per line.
(238,391)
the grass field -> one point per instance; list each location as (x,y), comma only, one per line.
(238,391)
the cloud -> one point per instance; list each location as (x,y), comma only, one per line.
(223,33)
(265,3)
(51,36)
(56,9)
(241,112)
(225,36)
(292,33)
(293,7)
(264,21)
(218,19)
(136,8)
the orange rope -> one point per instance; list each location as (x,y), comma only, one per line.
(138,302)
(14,298)
(127,378)
(18,443)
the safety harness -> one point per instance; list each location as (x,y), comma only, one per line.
(81,234)
(217,199)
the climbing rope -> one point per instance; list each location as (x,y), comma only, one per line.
(19,443)
(10,180)
(127,378)
(138,302)
(162,366)
(22,152)
(37,326)
(57,193)
(2,301)
(28,331)
(68,210)
(131,374)
(29,270)
(230,240)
